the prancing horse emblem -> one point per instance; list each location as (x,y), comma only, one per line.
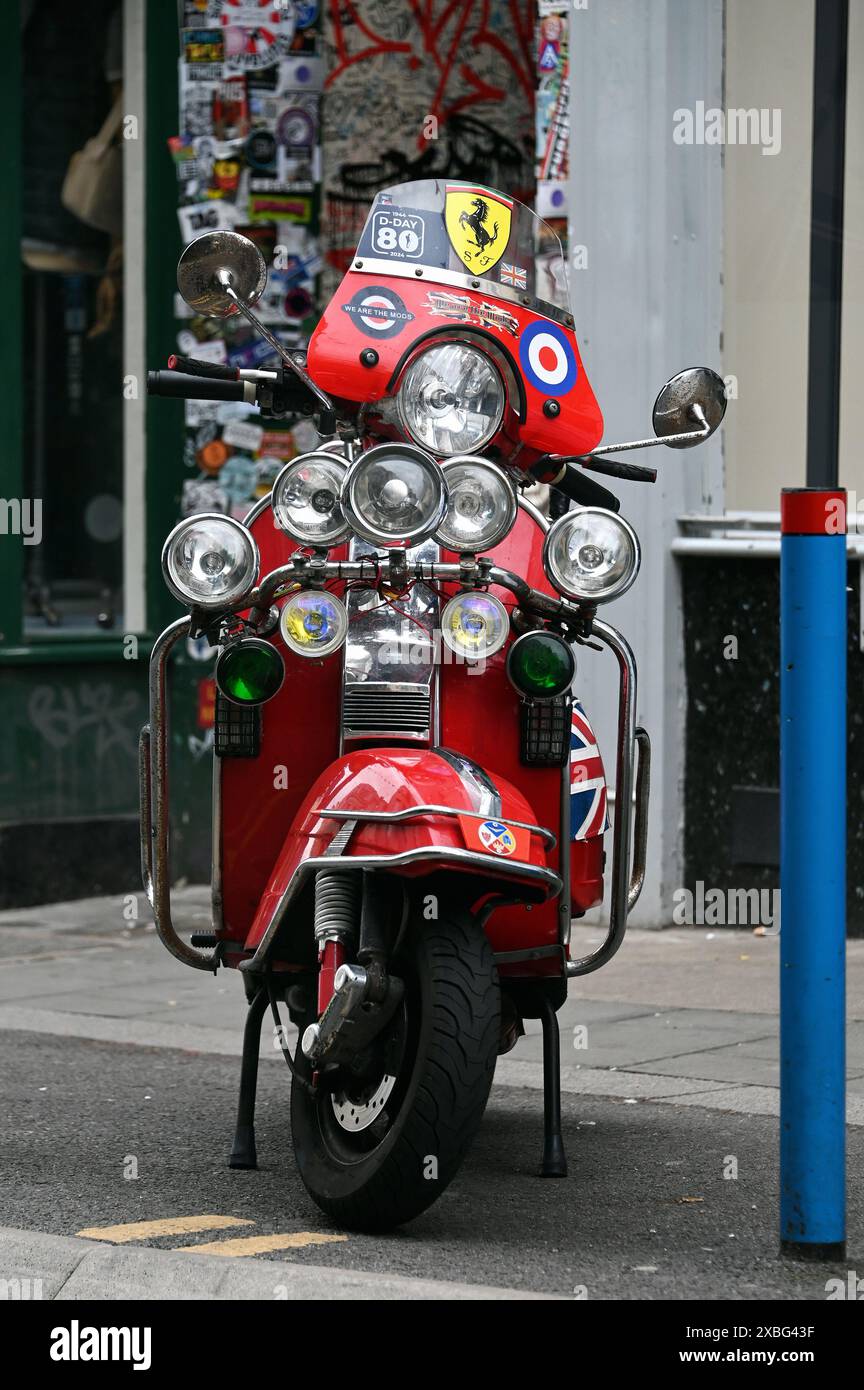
(478,224)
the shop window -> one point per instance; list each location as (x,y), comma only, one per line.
(73,316)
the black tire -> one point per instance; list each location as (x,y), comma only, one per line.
(441,1047)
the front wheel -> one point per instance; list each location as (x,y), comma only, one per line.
(378,1142)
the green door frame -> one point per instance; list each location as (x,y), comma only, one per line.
(164,419)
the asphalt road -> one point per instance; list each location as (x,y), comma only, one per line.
(646,1213)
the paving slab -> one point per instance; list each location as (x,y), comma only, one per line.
(629,1042)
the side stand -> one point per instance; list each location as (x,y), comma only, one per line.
(243,1153)
(554,1163)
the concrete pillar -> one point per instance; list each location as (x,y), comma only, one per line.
(648,212)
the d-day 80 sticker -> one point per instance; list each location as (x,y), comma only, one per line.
(403,234)
(378,312)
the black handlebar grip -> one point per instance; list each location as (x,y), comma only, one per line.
(200,388)
(193,366)
(584,491)
(617,468)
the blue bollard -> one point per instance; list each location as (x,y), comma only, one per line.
(813,873)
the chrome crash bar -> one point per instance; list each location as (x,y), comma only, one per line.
(410,812)
(155,819)
(626,880)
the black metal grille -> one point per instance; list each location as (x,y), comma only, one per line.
(545,732)
(386,709)
(237,729)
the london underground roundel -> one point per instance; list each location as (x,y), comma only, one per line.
(547,358)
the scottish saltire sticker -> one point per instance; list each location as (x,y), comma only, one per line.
(588,808)
(496,837)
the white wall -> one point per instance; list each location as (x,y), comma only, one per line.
(649,212)
(769,63)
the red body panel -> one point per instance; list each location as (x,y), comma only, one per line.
(340,338)
(267,828)
(388,780)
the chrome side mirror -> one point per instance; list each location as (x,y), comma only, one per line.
(220,273)
(224,273)
(693,402)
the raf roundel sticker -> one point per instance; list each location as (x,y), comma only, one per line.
(548,359)
(378,312)
(497,837)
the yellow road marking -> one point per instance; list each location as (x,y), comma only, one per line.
(167,1226)
(257,1245)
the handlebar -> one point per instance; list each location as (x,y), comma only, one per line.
(194,366)
(201,388)
(566,473)
(277,392)
(617,468)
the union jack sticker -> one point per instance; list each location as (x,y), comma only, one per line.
(588,811)
(513,275)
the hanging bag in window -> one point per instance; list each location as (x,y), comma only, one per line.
(93,186)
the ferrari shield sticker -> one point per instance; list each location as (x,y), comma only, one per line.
(378,312)
(548,359)
(478,225)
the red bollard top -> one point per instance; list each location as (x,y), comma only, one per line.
(812,511)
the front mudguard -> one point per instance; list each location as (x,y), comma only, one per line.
(408,812)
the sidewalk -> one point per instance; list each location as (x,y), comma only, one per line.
(115,1053)
(686,1016)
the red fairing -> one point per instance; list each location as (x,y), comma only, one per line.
(538,349)
(481,713)
(299,739)
(261,798)
(390,780)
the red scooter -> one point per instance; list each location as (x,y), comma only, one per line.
(409,801)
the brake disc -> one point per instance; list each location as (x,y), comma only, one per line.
(355,1115)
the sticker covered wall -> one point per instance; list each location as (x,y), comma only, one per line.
(248,158)
(442,90)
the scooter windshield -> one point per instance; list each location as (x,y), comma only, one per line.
(446,260)
(458,233)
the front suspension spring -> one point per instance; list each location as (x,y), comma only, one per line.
(337,905)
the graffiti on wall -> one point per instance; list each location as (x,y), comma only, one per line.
(422,89)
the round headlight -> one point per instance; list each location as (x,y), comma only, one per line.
(451,399)
(210,561)
(591,555)
(541,665)
(314,623)
(481,505)
(306,499)
(474,626)
(249,671)
(394,494)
